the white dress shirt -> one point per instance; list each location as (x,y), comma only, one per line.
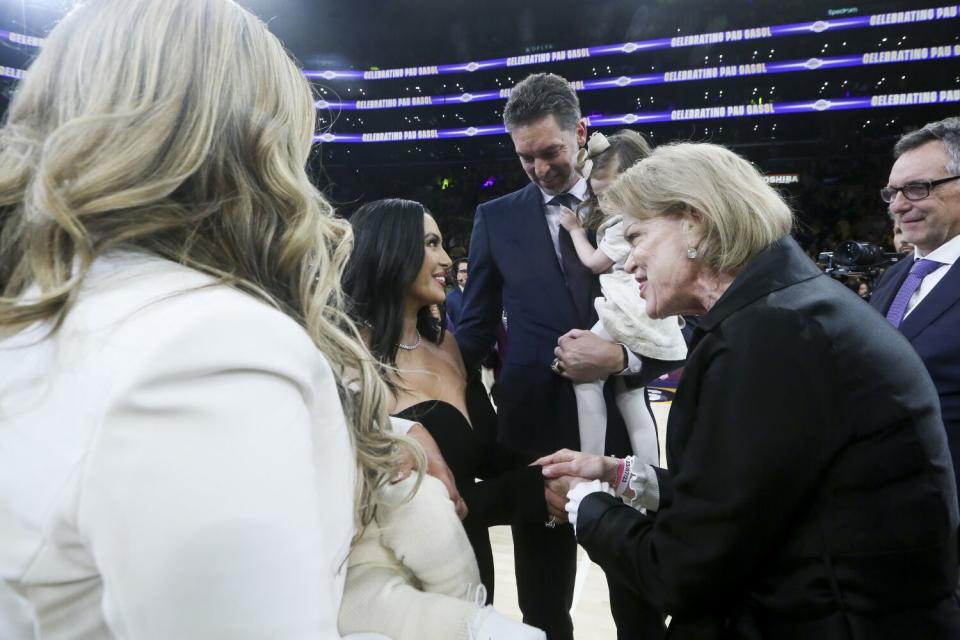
(552,212)
(947,253)
(174,463)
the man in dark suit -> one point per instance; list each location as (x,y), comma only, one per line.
(454,303)
(523,262)
(921,296)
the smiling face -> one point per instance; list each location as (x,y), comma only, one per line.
(429,287)
(930,222)
(548,153)
(659,263)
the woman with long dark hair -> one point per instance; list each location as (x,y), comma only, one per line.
(396,272)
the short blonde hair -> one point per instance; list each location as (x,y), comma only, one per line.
(741,215)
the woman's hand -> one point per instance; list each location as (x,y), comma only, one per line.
(569,220)
(437,466)
(580,465)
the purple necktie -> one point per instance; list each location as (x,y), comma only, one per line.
(920,270)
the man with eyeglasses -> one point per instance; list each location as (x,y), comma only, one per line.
(921,296)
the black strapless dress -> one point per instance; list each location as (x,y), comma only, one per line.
(509,491)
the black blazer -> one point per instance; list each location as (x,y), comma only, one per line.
(813,493)
(513,267)
(933,328)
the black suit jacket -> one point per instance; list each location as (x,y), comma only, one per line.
(813,493)
(933,328)
(514,267)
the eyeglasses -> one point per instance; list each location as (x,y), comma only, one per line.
(915,190)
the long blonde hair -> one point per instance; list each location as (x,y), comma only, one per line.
(181,128)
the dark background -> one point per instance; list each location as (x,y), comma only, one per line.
(842,158)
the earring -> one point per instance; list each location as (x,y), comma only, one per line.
(692,253)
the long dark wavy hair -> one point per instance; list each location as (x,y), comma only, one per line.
(388,253)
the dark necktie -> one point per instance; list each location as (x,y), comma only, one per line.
(920,270)
(579,279)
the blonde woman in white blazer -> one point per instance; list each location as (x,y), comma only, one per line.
(190,435)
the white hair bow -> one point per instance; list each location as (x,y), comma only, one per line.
(596,145)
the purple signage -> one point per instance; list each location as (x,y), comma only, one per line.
(917,54)
(676,115)
(947,12)
(911,16)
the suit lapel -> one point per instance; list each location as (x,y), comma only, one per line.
(940,298)
(535,217)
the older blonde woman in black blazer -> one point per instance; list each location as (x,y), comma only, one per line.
(810,491)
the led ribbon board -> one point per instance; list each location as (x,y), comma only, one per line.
(917,54)
(11,72)
(20,38)
(677,115)
(625,48)
(912,16)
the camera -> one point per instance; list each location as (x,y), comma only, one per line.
(853,259)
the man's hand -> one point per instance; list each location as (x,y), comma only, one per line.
(579,465)
(585,357)
(437,466)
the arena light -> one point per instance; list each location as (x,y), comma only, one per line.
(911,16)
(819,105)
(720,72)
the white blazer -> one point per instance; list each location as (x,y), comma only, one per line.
(174,463)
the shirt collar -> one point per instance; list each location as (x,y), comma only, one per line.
(578,190)
(947,253)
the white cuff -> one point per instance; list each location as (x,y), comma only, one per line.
(578,493)
(646,488)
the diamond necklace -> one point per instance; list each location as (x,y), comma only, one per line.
(410,347)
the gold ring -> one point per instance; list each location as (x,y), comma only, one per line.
(557,367)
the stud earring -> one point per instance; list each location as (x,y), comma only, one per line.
(692,253)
